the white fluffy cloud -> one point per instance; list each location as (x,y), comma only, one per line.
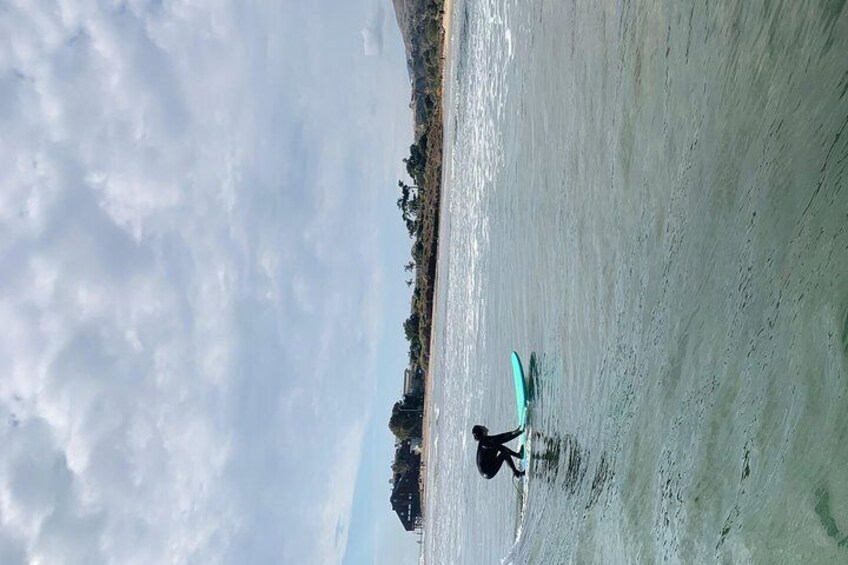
(189,294)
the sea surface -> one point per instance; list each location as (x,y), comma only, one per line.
(648,201)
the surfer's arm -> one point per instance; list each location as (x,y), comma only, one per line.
(505,437)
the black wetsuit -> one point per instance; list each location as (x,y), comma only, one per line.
(491,453)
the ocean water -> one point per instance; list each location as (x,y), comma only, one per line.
(648,201)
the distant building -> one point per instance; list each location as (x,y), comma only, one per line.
(406,499)
(406,493)
(408,381)
(413,379)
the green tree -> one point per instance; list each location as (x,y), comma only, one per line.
(405,421)
(410,327)
(417,160)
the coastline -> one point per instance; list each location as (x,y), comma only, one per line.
(428,379)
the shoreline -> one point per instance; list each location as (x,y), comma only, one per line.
(428,379)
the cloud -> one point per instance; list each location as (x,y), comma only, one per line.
(189,282)
(341,483)
(372,33)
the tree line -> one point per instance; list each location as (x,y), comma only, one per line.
(418,202)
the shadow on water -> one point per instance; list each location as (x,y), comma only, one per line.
(822,510)
(559,459)
(533,375)
(733,520)
(845,327)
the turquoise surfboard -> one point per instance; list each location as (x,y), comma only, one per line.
(521,400)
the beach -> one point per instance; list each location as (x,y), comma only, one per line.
(443,226)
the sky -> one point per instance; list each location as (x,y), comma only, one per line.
(201,280)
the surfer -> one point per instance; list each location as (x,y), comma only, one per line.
(491,451)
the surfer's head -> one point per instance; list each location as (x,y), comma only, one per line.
(479,431)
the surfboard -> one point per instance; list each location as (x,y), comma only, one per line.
(521,400)
(522,414)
